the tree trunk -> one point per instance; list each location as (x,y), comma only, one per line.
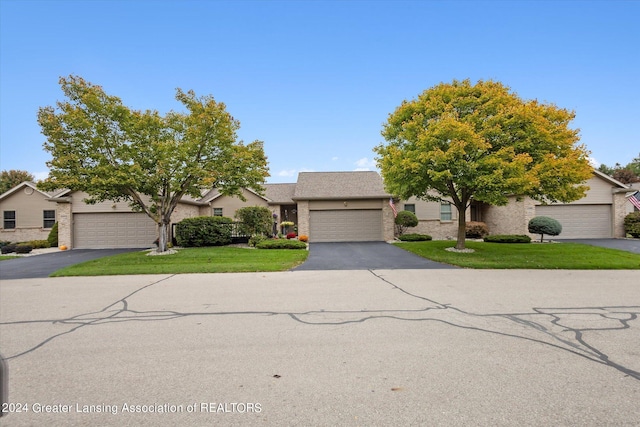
(462,228)
(163,232)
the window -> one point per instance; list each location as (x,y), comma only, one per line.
(217,211)
(410,207)
(48,218)
(9,219)
(445,211)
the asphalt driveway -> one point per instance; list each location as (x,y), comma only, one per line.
(37,266)
(629,245)
(363,256)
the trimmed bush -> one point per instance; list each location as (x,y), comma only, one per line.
(4,243)
(291,235)
(255,220)
(8,248)
(204,231)
(414,237)
(39,244)
(544,225)
(404,220)
(508,238)
(52,238)
(632,224)
(23,249)
(281,244)
(476,230)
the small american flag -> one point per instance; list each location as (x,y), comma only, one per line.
(393,207)
(635,199)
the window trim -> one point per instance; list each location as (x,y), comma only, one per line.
(446,212)
(45,218)
(218,209)
(410,207)
(6,220)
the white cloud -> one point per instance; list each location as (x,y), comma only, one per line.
(335,158)
(41,175)
(594,162)
(364,164)
(288,172)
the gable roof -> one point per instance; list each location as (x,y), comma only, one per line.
(24,184)
(339,185)
(609,179)
(280,194)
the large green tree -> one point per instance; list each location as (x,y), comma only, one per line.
(462,142)
(101,147)
(13,177)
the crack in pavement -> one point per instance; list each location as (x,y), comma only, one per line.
(557,328)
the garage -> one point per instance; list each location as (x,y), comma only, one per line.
(580,221)
(362,225)
(113,230)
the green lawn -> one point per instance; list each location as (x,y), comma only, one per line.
(572,256)
(6,257)
(190,260)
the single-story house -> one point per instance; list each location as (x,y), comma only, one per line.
(26,213)
(327,207)
(600,214)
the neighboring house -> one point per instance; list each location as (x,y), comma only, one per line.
(26,214)
(340,207)
(600,214)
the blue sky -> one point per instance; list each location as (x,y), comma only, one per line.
(315,80)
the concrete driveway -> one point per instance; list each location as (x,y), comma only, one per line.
(43,265)
(363,256)
(629,245)
(436,347)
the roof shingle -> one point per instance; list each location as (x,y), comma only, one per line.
(339,185)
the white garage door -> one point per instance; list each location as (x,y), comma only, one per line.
(580,221)
(346,225)
(113,230)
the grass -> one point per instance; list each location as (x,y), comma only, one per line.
(6,257)
(570,256)
(190,260)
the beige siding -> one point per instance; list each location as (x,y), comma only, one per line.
(317,205)
(600,192)
(29,205)
(230,205)
(79,206)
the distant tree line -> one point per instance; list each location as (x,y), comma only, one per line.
(625,174)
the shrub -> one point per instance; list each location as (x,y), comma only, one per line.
(508,238)
(544,225)
(39,244)
(303,238)
(4,243)
(413,237)
(8,249)
(53,236)
(404,220)
(23,248)
(291,235)
(632,224)
(281,244)
(204,231)
(476,230)
(254,240)
(255,220)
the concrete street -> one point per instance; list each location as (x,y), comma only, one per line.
(443,347)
